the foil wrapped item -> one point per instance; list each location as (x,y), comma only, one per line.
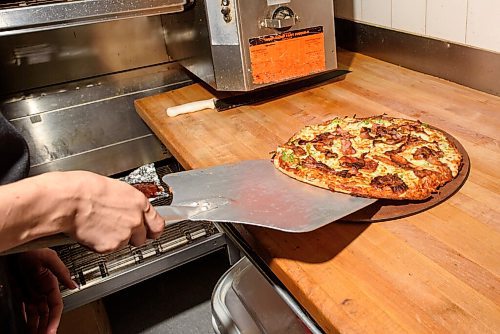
(146,180)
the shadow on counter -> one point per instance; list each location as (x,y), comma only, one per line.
(317,246)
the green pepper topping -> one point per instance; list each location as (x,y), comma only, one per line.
(288,156)
(309,147)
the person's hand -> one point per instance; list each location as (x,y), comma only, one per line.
(99,212)
(40,272)
(108,214)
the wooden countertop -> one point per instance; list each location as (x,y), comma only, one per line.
(437,271)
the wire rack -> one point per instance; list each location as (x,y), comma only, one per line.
(88,268)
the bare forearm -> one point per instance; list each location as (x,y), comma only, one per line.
(30,209)
(98,212)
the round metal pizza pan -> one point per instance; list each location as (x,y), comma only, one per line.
(385,209)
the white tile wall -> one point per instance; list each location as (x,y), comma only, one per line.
(483,24)
(377,12)
(472,22)
(447,19)
(409,15)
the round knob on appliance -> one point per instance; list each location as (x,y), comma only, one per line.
(282,18)
(225,11)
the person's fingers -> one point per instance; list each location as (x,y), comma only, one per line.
(153,222)
(123,244)
(59,269)
(43,314)
(55,305)
(138,237)
(55,313)
(31,317)
(23,310)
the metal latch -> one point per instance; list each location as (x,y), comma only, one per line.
(278,23)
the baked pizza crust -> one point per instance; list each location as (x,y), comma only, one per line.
(375,157)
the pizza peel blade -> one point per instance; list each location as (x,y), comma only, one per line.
(256,193)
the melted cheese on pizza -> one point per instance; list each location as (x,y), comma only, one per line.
(378,153)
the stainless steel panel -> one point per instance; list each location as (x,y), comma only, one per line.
(226,46)
(187,41)
(88,91)
(230,74)
(35,60)
(238,235)
(55,135)
(244,299)
(27,16)
(472,67)
(109,160)
(206,45)
(92,124)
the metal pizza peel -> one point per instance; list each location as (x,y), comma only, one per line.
(254,192)
(251,192)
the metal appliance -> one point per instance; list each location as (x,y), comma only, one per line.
(71,69)
(241,45)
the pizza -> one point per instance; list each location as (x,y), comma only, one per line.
(376,157)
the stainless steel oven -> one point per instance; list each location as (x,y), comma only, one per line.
(241,45)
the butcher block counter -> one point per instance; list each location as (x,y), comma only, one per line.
(437,271)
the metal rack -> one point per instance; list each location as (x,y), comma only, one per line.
(101,275)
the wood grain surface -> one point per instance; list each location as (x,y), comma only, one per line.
(434,272)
